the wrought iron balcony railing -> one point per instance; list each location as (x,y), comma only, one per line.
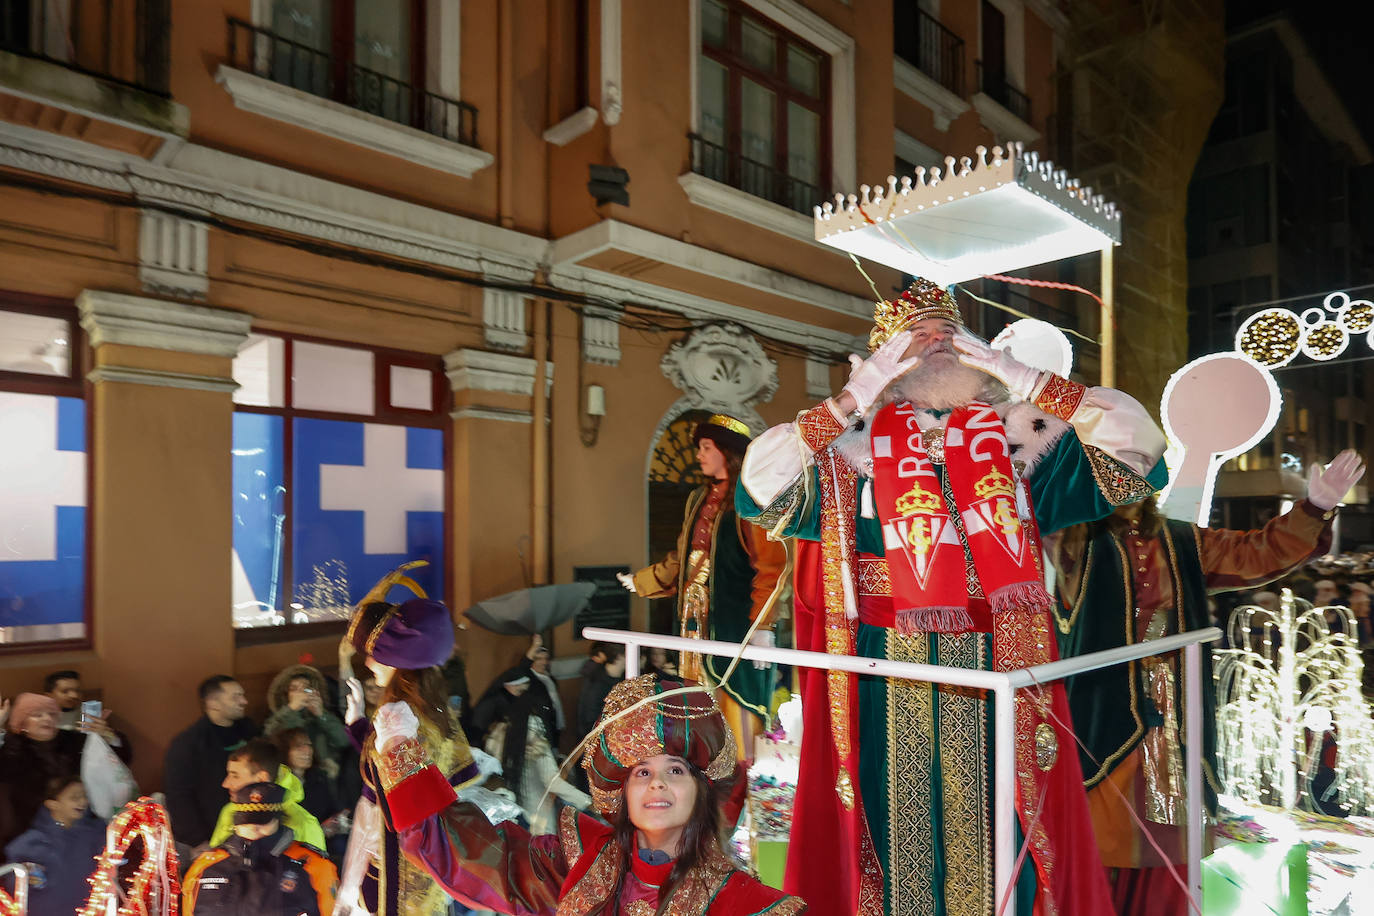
(122,41)
(995,86)
(920,40)
(262,52)
(757,178)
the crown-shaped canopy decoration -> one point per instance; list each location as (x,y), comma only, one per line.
(985,217)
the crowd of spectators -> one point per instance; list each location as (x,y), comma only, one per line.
(53,743)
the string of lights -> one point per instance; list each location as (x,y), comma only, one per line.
(155,889)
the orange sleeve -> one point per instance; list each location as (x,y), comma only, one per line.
(324,878)
(768,559)
(190,885)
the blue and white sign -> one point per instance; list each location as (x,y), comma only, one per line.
(368,497)
(365,498)
(42,509)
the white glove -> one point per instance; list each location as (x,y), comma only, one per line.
(1327,487)
(868,377)
(394,722)
(766,639)
(354,705)
(628,581)
(1019,378)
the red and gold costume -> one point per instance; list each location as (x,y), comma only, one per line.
(895,785)
(503,868)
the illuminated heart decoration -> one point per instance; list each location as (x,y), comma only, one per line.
(156,887)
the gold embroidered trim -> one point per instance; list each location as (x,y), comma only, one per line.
(910,759)
(964,780)
(780,512)
(818,427)
(787,906)
(568,835)
(402,760)
(838,494)
(1066,626)
(873,578)
(1060,397)
(1118,483)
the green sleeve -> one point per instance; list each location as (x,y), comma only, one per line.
(224,826)
(1064,489)
(281,720)
(803,516)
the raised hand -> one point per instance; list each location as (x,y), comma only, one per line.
(626,580)
(1019,378)
(868,377)
(1326,487)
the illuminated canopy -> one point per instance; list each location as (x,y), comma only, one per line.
(978,218)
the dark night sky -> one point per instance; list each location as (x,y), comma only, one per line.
(1341,38)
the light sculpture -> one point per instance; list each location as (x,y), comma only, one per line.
(1291,677)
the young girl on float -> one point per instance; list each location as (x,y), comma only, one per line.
(657,762)
(402,645)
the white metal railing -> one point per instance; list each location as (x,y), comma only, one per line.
(1003,685)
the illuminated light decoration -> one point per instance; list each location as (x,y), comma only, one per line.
(1324,341)
(18,904)
(1275,336)
(976,218)
(156,888)
(1213,409)
(1290,678)
(1271,338)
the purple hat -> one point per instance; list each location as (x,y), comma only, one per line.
(413,635)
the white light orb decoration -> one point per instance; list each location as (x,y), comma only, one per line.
(1214,408)
(1038,344)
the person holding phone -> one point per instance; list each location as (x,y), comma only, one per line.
(296,698)
(87,716)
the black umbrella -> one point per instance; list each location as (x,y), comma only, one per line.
(531,610)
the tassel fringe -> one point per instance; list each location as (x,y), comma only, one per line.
(1028,597)
(913,620)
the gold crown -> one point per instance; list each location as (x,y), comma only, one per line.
(922,300)
(918,500)
(994,484)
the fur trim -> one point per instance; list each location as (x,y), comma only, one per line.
(1030,431)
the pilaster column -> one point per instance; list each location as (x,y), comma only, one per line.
(161,526)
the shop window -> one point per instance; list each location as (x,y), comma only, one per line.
(43,518)
(338,477)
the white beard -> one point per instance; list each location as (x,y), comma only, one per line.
(943,383)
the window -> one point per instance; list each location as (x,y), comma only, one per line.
(338,476)
(764,122)
(43,519)
(367,54)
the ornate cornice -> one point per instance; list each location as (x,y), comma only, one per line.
(482,370)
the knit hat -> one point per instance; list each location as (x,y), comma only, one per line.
(27,704)
(414,635)
(686,725)
(258,803)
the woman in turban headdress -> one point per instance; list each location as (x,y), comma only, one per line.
(658,763)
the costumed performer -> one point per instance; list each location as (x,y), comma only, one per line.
(656,764)
(722,572)
(923,489)
(1136,576)
(402,645)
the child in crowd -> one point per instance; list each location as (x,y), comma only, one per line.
(59,849)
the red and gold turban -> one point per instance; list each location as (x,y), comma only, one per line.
(687,725)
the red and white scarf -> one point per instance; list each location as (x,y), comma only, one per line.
(925,558)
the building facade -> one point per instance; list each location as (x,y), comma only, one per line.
(1274,218)
(295,290)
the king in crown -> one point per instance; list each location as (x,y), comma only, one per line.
(858,593)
